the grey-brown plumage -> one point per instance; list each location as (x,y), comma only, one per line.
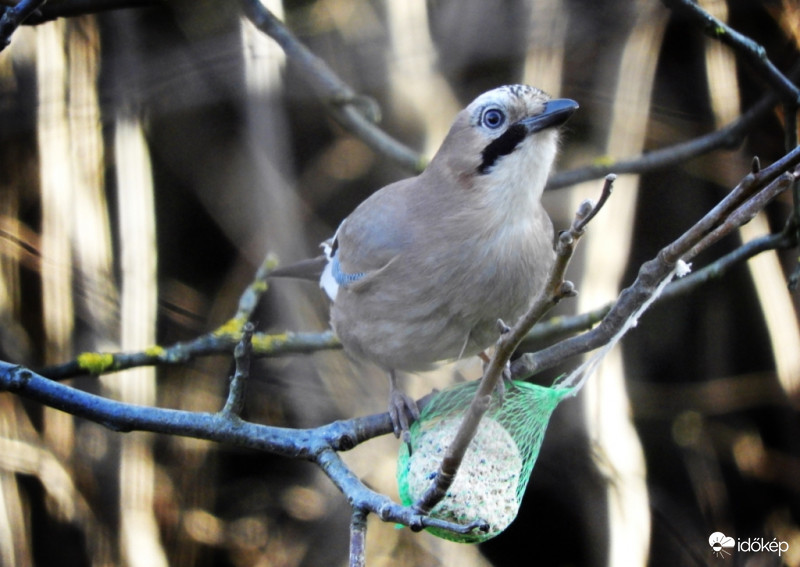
(422,270)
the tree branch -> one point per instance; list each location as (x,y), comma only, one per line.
(756,56)
(356,112)
(14,16)
(719,267)
(752,52)
(345,105)
(237,390)
(219,341)
(752,194)
(727,137)
(358,539)
(319,445)
(55,9)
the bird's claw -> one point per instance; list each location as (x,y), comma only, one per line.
(401,408)
(506,378)
(506,382)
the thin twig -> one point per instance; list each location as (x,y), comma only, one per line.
(752,52)
(249,299)
(218,341)
(14,16)
(727,137)
(716,269)
(717,216)
(608,188)
(358,538)
(345,105)
(744,213)
(563,326)
(238,386)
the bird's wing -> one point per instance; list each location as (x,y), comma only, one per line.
(369,239)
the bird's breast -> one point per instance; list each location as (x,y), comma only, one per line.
(444,302)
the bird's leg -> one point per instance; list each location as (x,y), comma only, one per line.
(401,407)
(506,378)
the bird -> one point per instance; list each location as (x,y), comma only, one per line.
(423,269)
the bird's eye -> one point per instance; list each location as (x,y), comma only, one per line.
(493,118)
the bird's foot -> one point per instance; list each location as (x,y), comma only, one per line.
(506,379)
(505,383)
(404,411)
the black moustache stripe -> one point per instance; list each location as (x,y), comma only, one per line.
(502,146)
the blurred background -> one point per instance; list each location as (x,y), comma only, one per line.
(150,158)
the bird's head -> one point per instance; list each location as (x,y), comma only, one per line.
(505,139)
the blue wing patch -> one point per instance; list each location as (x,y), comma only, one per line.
(332,275)
(343,278)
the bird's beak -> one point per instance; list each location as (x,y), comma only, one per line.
(555,113)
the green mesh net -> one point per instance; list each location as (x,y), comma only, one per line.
(497,465)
